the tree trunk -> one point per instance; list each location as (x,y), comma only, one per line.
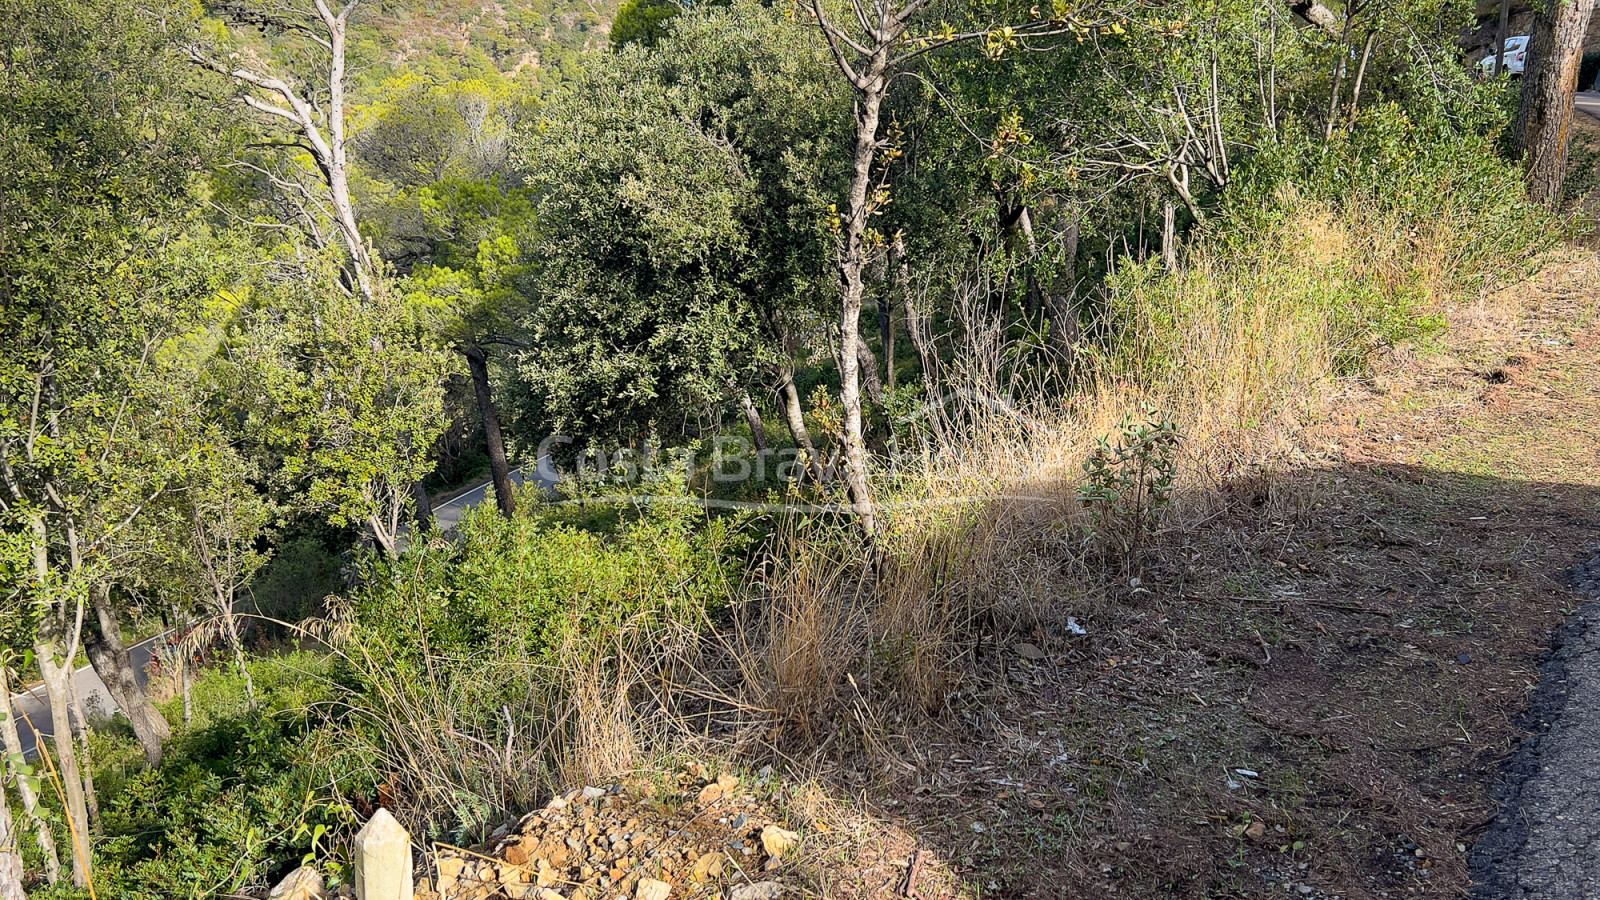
(1500,38)
(57,687)
(225,604)
(10,854)
(1318,15)
(796,419)
(852,262)
(186,683)
(1361,76)
(1544,119)
(422,515)
(10,851)
(886,339)
(109,656)
(80,731)
(504,492)
(752,415)
(25,792)
(1169,236)
(869,371)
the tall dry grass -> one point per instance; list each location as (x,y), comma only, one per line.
(1243,346)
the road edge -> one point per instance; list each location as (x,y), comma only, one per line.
(1498,858)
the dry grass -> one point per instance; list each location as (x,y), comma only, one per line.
(985,536)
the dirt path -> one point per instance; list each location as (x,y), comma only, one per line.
(1313,690)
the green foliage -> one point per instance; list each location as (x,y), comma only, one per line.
(104,271)
(295,584)
(237,799)
(533,582)
(1128,484)
(642,22)
(683,195)
(347,393)
(473,666)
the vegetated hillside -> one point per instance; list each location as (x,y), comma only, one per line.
(538,42)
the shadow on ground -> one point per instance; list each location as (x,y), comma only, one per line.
(1309,693)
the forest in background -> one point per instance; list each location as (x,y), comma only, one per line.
(966,296)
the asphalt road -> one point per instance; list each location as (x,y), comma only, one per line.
(448,514)
(1545,840)
(1588,102)
(32,708)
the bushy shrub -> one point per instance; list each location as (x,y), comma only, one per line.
(485,669)
(238,798)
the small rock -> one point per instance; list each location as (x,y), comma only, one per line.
(516,854)
(547,894)
(1029,651)
(709,866)
(556,802)
(777,841)
(761,890)
(1463,659)
(450,869)
(1305,889)
(651,889)
(718,789)
(302,884)
(1256,831)
(593,793)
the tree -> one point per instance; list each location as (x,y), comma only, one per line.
(684,196)
(10,852)
(346,392)
(642,22)
(15,770)
(314,112)
(638,314)
(871,54)
(226,518)
(435,192)
(96,275)
(1544,117)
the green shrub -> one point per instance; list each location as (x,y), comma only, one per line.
(238,798)
(483,670)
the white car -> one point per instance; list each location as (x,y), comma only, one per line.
(1516,57)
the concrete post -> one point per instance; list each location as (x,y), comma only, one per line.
(383,860)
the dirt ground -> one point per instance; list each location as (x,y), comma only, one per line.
(1307,693)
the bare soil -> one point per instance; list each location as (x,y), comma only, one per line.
(1309,691)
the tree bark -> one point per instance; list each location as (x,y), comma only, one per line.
(1318,15)
(422,514)
(30,798)
(1544,118)
(795,417)
(752,415)
(1361,76)
(869,371)
(327,149)
(851,263)
(1169,236)
(10,851)
(1500,38)
(886,339)
(80,731)
(109,656)
(230,622)
(499,469)
(53,667)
